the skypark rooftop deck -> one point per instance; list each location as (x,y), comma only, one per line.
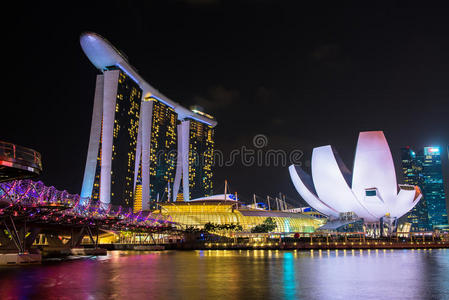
(103,54)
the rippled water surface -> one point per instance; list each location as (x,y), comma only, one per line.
(381,274)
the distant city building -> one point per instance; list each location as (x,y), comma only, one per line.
(424,169)
(411,169)
(432,186)
(136,139)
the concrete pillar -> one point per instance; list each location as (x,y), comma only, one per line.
(182,163)
(146,121)
(109,102)
(94,141)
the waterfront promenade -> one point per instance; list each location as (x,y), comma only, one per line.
(283,241)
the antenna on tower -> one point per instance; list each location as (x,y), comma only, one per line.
(226,190)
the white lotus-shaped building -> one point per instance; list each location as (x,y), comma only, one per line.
(371,191)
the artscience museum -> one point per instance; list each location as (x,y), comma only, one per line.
(370,191)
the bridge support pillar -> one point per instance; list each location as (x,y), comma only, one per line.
(77,237)
(29,240)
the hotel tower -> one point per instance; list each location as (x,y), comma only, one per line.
(144,148)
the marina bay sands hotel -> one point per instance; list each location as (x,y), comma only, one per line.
(144,148)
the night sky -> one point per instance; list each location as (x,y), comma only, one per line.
(303,76)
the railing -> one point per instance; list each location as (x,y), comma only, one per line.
(20,155)
(33,200)
(318,240)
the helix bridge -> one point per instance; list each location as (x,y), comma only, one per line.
(29,208)
(38,203)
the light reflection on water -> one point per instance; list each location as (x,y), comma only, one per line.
(242,274)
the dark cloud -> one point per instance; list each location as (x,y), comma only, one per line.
(216,98)
(201,2)
(265,96)
(326,52)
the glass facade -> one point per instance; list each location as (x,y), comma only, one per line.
(126,124)
(201,153)
(124,142)
(163,151)
(424,170)
(137,204)
(96,186)
(198,214)
(432,186)
(411,170)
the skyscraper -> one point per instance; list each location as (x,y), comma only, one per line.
(163,146)
(135,137)
(194,164)
(201,150)
(424,169)
(432,186)
(411,170)
(113,139)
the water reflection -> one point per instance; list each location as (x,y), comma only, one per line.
(289,282)
(244,274)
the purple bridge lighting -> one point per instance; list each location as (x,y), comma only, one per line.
(37,203)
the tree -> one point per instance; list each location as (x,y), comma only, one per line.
(211,227)
(192,229)
(267,225)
